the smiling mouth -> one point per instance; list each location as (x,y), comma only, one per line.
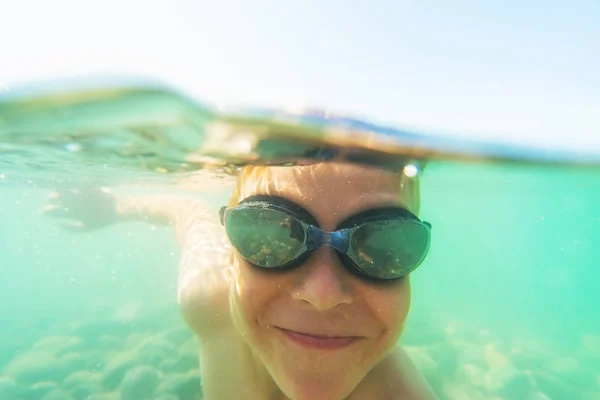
(319,341)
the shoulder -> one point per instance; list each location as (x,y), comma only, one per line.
(205,269)
(203,298)
(414,383)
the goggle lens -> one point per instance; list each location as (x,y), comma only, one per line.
(264,237)
(391,248)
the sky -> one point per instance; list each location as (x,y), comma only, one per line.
(499,70)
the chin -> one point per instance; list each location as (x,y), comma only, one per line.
(308,384)
(316,388)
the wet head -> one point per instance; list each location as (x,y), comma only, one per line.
(317,328)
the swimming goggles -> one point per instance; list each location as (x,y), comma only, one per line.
(273,233)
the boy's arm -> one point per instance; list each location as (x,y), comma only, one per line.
(160,209)
(205,253)
(205,271)
(416,384)
(205,265)
(89,209)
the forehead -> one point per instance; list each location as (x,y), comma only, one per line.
(329,190)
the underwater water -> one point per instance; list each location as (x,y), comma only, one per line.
(506,305)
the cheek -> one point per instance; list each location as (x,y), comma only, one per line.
(246,283)
(245,300)
(254,289)
(391,305)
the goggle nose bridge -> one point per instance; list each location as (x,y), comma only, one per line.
(317,237)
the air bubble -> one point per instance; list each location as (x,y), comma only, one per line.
(73,147)
(411,170)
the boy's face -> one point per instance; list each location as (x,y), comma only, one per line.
(273,310)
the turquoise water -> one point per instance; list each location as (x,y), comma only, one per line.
(505,306)
(510,289)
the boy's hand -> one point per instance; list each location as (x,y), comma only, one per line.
(84,209)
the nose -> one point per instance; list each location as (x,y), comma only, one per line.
(323,282)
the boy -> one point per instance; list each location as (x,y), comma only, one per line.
(301,290)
